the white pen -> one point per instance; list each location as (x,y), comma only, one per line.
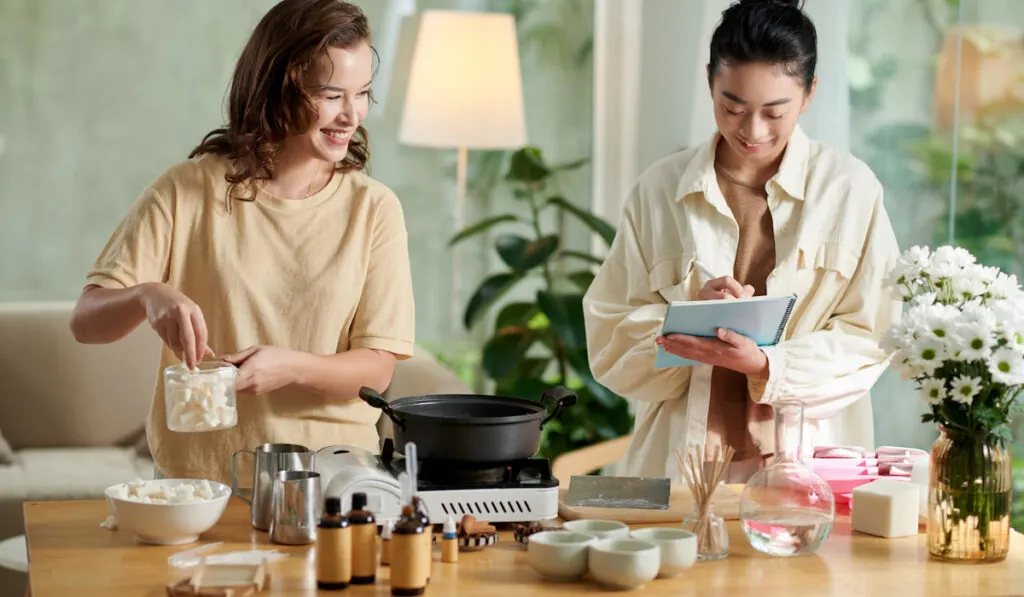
(703,268)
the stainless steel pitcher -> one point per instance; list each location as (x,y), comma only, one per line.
(269,461)
(296,508)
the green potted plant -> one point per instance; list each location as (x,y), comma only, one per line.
(538,343)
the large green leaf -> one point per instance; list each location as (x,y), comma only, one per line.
(567,166)
(527,166)
(515,314)
(595,223)
(480,227)
(530,388)
(533,367)
(490,290)
(504,352)
(522,254)
(577,358)
(565,311)
(580,255)
(582,278)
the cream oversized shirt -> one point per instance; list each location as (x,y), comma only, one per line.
(834,248)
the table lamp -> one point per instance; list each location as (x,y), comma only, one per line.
(465,92)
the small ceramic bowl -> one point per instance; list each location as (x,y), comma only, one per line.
(559,555)
(624,563)
(602,529)
(678,548)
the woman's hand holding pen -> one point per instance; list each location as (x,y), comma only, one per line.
(725,287)
(730,349)
(721,287)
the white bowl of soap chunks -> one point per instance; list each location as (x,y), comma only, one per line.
(166,511)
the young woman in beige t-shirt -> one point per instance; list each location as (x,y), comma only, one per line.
(270,248)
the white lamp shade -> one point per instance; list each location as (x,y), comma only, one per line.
(465,87)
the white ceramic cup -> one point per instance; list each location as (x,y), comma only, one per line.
(624,563)
(602,529)
(678,548)
(559,555)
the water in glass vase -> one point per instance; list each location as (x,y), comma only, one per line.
(969,496)
(787,531)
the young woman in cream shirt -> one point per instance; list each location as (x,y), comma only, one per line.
(774,213)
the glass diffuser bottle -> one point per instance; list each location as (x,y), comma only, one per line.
(786,508)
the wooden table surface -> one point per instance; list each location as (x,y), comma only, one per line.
(71,555)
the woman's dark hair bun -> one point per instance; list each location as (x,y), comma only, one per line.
(768,31)
(793,3)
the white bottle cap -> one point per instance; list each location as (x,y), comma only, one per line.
(385,531)
(449,526)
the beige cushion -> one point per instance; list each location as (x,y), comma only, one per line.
(42,474)
(6,453)
(63,474)
(59,393)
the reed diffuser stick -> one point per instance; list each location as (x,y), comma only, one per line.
(703,473)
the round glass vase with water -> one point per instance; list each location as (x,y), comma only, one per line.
(786,508)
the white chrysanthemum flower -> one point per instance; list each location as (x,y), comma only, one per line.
(925,299)
(959,257)
(987,274)
(1004,286)
(975,313)
(967,287)
(975,344)
(918,256)
(947,262)
(896,339)
(927,354)
(1007,366)
(965,389)
(939,320)
(934,391)
(910,266)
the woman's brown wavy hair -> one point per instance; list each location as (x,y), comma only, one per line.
(269,101)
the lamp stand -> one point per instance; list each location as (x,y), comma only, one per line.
(458,219)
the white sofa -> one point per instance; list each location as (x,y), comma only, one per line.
(73,415)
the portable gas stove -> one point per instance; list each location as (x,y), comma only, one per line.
(519,491)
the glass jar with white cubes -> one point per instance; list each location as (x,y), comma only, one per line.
(202,398)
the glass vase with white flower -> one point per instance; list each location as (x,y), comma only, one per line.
(961,338)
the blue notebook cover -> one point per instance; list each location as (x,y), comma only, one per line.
(760,318)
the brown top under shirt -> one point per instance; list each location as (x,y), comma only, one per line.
(733,418)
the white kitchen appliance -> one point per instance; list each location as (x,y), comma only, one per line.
(519,491)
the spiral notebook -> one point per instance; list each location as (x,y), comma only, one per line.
(761,318)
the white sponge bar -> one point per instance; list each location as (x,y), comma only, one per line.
(886,508)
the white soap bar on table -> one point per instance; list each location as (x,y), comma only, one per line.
(886,508)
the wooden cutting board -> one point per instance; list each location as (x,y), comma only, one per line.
(726,502)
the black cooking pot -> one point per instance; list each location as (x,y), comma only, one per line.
(470,427)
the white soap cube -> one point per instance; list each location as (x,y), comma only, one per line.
(886,508)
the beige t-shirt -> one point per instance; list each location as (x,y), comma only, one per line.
(323,275)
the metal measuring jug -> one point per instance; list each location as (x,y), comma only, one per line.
(296,507)
(269,461)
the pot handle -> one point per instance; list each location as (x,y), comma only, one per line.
(374,399)
(561,396)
